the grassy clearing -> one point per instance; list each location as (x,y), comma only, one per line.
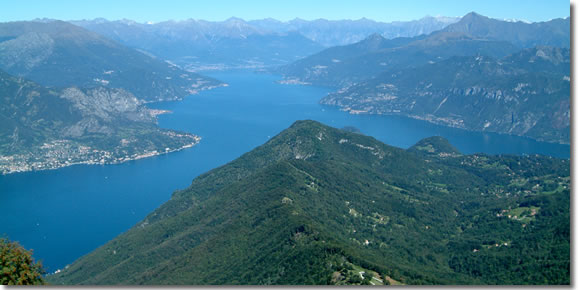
(523,214)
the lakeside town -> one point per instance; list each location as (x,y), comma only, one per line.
(63,153)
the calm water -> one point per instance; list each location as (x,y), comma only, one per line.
(64,214)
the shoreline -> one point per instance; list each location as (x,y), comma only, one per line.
(6,169)
(435,121)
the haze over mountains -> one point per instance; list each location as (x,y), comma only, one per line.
(343,32)
(474,34)
(199,44)
(440,77)
(59,54)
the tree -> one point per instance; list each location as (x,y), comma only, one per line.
(17,267)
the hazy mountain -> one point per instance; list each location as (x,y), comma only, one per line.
(199,44)
(345,65)
(318,205)
(472,35)
(343,32)
(46,128)
(59,54)
(460,76)
(526,94)
(555,32)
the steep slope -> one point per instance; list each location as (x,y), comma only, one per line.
(59,54)
(318,205)
(555,32)
(50,128)
(526,94)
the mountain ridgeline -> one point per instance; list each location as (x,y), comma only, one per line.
(555,32)
(342,32)
(59,54)
(71,96)
(318,205)
(478,74)
(235,43)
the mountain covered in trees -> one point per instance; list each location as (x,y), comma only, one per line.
(478,74)
(59,54)
(318,205)
(474,34)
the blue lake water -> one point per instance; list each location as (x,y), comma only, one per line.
(63,214)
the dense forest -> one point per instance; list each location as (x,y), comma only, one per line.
(318,205)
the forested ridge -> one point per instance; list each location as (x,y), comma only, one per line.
(318,205)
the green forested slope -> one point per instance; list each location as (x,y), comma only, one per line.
(318,205)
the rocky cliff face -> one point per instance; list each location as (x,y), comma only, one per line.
(100,107)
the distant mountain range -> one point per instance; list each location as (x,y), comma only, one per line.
(344,65)
(202,44)
(71,96)
(235,43)
(47,128)
(342,32)
(474,34)
(526,94)
(59,54)
(318,205)
(465,75)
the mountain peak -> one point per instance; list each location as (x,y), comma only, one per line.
(375,36)
(305,123)
(473,15)
(292,219)
(524,35)
(235,20)
(372,42)
(472,19)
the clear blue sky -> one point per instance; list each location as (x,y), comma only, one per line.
(380,10)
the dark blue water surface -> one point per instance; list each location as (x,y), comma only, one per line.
(66,213)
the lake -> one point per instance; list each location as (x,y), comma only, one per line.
(63,214)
